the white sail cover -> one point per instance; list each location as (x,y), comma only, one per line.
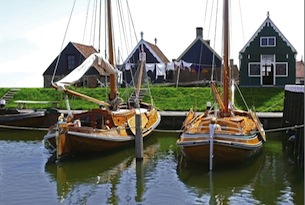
(96,60)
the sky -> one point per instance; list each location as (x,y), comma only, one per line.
(33,32)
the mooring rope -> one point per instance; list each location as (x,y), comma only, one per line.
(269,130)
(285,128)
(155,130)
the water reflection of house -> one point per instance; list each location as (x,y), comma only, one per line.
(198,61)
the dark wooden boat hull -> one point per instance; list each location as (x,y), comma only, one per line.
(28,118)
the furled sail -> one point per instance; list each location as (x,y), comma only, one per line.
(96,60)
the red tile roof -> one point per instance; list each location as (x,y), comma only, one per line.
(299,69)
(85,50)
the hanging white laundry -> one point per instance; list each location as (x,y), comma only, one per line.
(127,66)
(161,69)
(120,77)
(150,67)
(187,65)
(170,66)
(177,63)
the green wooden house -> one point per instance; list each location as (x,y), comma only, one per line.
(268,59)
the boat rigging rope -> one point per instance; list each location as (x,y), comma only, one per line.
(57,62)
(85,28)
(242,97)
(215,31)
(241,22)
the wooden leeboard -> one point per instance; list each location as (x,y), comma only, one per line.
(188,118)
(132,122)
(259,125)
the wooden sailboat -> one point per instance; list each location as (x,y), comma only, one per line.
(224,135)
(11,118)
(107,128)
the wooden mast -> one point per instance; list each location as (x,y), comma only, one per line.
(226,59)
(113,86)
(143,59)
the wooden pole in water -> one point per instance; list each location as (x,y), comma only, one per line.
(61,140)
(139,138)
(212,127)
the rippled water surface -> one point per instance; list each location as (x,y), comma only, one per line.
(163,177)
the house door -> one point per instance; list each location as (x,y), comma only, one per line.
(267,69)
(267,74)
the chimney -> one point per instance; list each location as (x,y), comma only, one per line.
(199,32)
(155,41)
(231,63)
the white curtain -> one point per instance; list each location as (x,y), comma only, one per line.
(170,66)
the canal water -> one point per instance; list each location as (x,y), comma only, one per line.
(163,177)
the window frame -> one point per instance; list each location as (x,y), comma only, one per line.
(249,69)
(286,69)
(71,62)
(267,39)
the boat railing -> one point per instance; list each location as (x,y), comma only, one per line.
(23,104)
(222,129)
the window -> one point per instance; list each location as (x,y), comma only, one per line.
(268,41)
(71,62)
(268,58)
(281,69)
(254,69)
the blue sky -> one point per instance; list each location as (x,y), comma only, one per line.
(32,31)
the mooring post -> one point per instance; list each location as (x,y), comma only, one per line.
(139,138)
(212,127)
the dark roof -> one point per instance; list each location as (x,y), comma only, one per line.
(268,22)
(200,52)
(82,52)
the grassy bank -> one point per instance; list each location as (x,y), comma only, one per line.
(165,98)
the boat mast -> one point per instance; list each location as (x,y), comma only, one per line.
(226,59)
(113,86)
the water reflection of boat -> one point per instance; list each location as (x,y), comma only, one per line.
(79,178)
(222,186)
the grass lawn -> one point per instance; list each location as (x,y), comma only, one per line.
(165,98)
